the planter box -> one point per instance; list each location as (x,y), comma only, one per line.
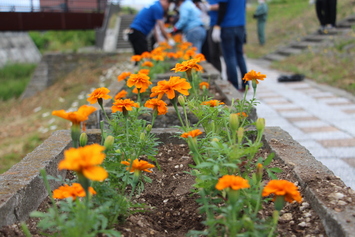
(22,191)
(223,87)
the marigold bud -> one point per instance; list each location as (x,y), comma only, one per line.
(142,136)
(108,144)
(148,128)
(260,124)
(181,100)
(240,134)
(83,140)
(233,122)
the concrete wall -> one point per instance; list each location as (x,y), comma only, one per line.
(17,47)
(54,66)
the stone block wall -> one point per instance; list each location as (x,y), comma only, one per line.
(17,47)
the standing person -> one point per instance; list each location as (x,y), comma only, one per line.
(190,23)
(230,31)
(261,16)
(144,23)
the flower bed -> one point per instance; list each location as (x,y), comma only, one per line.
(231,181)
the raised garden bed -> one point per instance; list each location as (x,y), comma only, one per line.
(326,194)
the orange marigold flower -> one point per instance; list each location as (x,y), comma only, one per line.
(76,117)
(144,71)
(282,188)
(169,87)
(187,65)
(233,182)
(242,114)
(158,105)
(193,133)
(145,55)
(254,76)
(76,190)
(179,54)
(136,58)
(200,57)
(138,165)
(123,76)
(171,55)
(158,57)
(123,105)
(185,45)
(147,64)
(189,54)
(213,103)
(140,81)
(85,160)
(121,95)
(204,84)
(99,93)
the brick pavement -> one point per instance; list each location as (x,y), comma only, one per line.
(320,118)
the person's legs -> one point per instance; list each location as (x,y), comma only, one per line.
(229,54)
(196,36)
(331,12)
(239,40)
(138,41)
(261,32)
(214,51)
(320,12)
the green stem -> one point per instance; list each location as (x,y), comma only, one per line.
(275,216)
(173,101)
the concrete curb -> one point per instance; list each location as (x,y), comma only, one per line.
(336,223)
(22,190)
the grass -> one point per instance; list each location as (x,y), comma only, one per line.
(289,21)
(25,124)
(14,79)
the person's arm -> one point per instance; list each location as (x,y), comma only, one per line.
(214,7)
(222,9)
(165,34)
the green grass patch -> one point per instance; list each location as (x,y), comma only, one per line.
(70,40)
(14,79)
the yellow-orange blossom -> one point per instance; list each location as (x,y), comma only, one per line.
(85,160)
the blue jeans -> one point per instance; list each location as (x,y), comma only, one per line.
(232,48)
(196,36)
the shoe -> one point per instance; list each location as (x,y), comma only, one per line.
(290,78)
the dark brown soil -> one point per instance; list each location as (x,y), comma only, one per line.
(174,211)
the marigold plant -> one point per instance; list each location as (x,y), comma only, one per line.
(254,76)
(123,105)
(123,76)
(98,95)
(74,191)
(158,105)
(283,188)
(212,103)
(233,182)
(188,66)
(138,165)
(147,64)
(85,160)
(204,85)
(193,133)
(169,87)
(136,58)
(140,81)
(121,94)
(76,117)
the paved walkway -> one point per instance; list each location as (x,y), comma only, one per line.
(320,118)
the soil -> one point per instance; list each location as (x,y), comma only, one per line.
(174,210)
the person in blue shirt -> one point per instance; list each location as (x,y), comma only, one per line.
(144,23)
(230,31)
(190,23)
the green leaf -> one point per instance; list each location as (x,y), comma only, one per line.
(269,159)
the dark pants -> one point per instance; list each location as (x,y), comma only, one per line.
(326,12)
(261,31)
(138,41)
(215,52)
(232,46)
